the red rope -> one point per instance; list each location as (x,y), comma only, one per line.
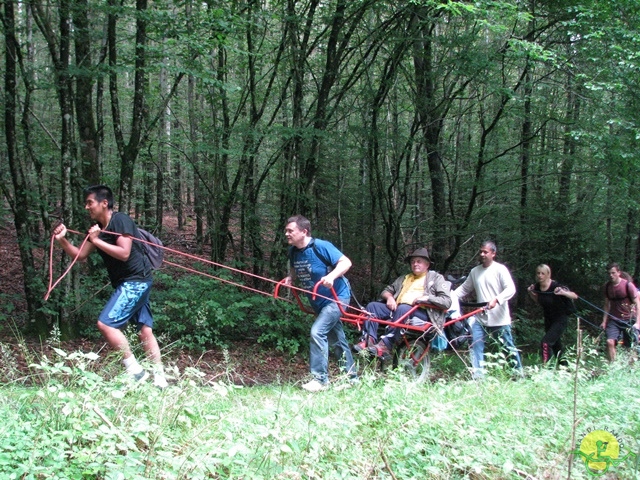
(196,258)
(54,285)
(192,270)
(355,318)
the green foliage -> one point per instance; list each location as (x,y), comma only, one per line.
(197,312)
(285,121)
(284,327)
(75,424)
(7,306)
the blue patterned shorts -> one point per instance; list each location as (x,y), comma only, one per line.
(129,303)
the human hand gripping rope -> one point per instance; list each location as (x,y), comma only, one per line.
(53,285)
(361,316)
(275,294)
(632,329)
(349,314)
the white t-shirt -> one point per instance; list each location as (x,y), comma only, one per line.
(488,283)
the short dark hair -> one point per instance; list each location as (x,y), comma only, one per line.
(301,222)
(614,265)
(102,192)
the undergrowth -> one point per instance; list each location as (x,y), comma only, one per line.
(73,420)
(197,313)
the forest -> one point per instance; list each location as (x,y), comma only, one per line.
(390,125)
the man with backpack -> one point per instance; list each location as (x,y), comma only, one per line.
(313,261)
(621,308)
(129,270)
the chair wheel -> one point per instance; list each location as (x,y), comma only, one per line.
(414,360)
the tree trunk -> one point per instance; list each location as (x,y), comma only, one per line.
(221,208)
(89,140)
(20,203)
(71,179)
(198,194)
(430,117)
(128,151)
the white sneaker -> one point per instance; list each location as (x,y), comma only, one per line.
(160,382)
(315,386)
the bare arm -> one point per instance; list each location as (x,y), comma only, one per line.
(605,317)
(120,251)
(342,267)
(70,249)
(532,293)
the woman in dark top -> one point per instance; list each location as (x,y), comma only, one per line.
(557,304)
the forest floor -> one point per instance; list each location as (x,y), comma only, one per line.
(243,363)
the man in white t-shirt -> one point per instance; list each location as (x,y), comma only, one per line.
(492,283)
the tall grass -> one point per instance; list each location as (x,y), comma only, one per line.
(76,423)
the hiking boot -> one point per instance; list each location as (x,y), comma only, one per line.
(364,344)
(381,351)
(315,386)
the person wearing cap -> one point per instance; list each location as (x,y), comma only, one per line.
(421,286)
(492,284)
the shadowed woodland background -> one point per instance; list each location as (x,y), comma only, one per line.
(391,125)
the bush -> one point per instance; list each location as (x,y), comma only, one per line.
(197,312)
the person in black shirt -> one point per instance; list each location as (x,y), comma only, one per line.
(130,274)
(557,304)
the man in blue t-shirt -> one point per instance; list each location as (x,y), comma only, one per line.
(313,261)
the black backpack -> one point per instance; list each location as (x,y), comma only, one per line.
(155,254)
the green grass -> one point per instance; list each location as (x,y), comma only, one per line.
(76,424)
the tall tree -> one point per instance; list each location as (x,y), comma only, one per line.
(128,150)
(19,199)
(84,84)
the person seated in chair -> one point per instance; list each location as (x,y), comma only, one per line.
(421,286)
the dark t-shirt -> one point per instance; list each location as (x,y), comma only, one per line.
(554,306)
(137,267)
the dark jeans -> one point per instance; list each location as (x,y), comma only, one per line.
(551,343)
(381,311)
